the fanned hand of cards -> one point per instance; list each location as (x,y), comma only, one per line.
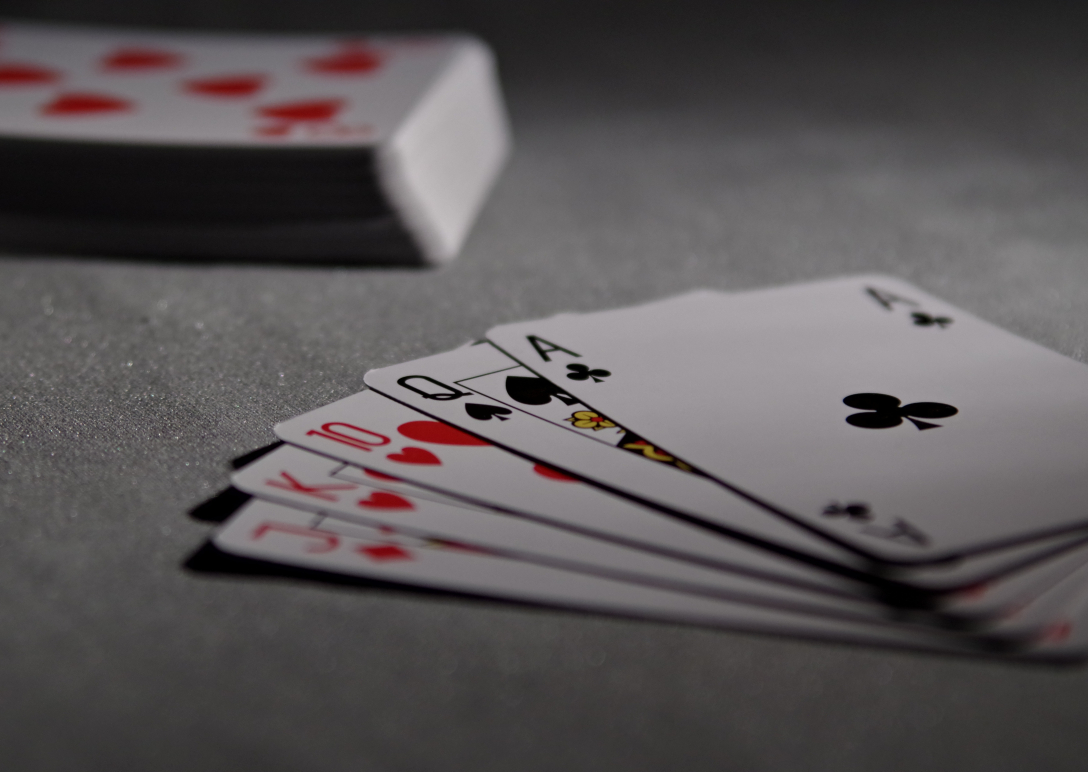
(850,459)
(353,147)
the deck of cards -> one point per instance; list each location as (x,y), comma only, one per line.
(348,147)
(850,460)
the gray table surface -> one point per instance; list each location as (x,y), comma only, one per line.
(651,158)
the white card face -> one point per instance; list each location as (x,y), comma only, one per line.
(346,472)
(268,531)
(374,432)
(859,406)
(1061,598)
(1011,596)
(211,89)
(483,391)
(306,480)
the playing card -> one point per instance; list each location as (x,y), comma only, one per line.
(860,407)
(268,531)
(302,479)
(356,429)
(211,89)
(306,480)
(483,391)
(382,435)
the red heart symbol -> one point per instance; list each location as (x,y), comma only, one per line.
(553,474)
(438,433)
(352,61)
(415,456)
(85,104)
(380,475)
(310,110)
(383,552)
(26,75)
(141,59)
(226,85)
(383,500)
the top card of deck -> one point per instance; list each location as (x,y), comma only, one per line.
(75,83)
(861,406)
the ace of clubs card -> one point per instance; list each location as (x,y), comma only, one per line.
(860,406)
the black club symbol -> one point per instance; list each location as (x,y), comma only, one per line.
(582,373)
(855,510)
(923,319)
(887,412)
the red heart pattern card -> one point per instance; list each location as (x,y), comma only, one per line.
(84,83)
(411,132)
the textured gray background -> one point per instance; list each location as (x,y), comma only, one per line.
(659,148)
